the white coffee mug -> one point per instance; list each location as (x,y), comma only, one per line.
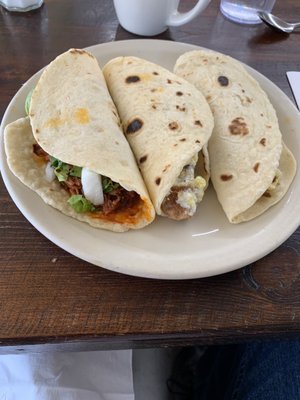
(151,17)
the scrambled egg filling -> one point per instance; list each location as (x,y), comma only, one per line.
(192,187)
(275,181)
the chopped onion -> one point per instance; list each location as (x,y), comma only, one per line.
(92,186)
(49,171)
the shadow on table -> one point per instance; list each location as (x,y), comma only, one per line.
(122,34)
(267,36)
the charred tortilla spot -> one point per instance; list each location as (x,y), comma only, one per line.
(134,126)
(243,90)
(226,178)
(155,73)
(173,125)
(133,79)
(256,166)
(180,108)
(37,131)
(78,51)
(263,141)
(175,144)
(238,127)
(117,142)
(198,122)
(157,181)
(143,159)
(183,139)
(179,93)
(169,81)
(223,80)
(153,90)
(154,106)
(166,167)
(267,194)
(269,126)
(261,114)
(197,141)
(208,98)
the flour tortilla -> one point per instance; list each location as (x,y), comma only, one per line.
(246,148)
(166,121)
(73,119)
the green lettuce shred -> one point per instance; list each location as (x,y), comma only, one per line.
(76,171)
(108,185)
(63,170)
(80,204)
(27,101)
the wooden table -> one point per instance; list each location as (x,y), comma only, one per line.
(50,299)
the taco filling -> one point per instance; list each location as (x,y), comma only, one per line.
(89,191)
(187,191)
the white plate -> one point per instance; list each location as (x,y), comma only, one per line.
(203,246)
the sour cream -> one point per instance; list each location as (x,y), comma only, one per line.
(49,172)
(92,186)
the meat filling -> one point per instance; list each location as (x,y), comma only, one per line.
(38,151)
(119,199)
(72,185)
(188,190)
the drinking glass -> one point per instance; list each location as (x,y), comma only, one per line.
(21,5)
(245,11)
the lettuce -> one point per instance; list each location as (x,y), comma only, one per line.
(63,170)
(27,102)
(76,171)
(108,185)
(80,204)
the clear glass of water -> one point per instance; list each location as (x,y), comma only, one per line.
(21,5)
(245,11)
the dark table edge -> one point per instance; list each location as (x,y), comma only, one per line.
(92,342)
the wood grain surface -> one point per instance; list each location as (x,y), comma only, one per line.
(51,300)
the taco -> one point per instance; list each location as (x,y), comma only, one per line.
(251,168)
(167,123)
(72,151)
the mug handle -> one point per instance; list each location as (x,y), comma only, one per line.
(177,18)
